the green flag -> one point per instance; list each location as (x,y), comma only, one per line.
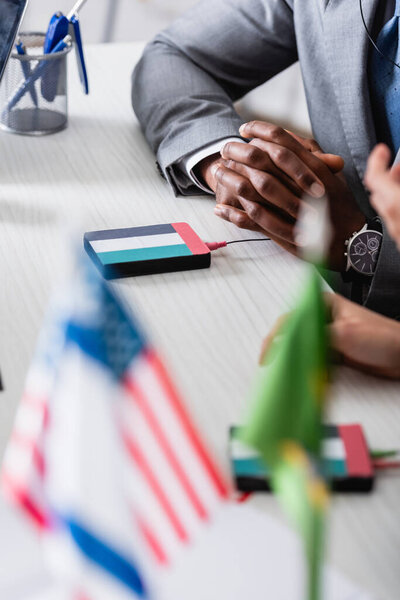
(285,424)
(304,496)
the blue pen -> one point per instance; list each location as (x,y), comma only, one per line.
(76,35)
(58,28)
(26,69)
(27,85)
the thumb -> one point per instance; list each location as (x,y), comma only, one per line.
(395,172)
(271,338)
(334,162)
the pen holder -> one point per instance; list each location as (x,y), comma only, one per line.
(32,105)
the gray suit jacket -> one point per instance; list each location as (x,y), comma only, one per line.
(188,77)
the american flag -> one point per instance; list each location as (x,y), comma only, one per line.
(104,456)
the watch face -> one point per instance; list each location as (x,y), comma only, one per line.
(363,251)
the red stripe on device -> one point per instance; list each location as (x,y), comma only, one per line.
(191,239)
(357,455)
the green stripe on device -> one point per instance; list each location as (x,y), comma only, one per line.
(122,256)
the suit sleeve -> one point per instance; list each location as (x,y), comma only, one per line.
(384,292)
(185,84)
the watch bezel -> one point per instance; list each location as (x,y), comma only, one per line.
(350,244)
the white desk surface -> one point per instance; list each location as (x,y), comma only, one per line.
(208,324)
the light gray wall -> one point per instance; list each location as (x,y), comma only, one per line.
(133,19)
(281,101)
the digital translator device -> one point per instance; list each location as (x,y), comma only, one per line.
(146,250)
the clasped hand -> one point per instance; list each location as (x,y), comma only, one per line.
(259,186)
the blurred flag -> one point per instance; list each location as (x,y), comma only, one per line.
(313,230)
(290,390)
(104,456)
(304,495)
(285,423)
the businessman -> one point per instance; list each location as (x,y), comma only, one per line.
(190,75)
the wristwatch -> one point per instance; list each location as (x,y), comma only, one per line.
(362,251)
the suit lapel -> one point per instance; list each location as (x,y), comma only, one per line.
(347,48)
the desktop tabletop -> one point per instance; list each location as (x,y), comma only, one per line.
(208,324)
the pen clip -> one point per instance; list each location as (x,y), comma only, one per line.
(56,31)
(20,46)
(75,32)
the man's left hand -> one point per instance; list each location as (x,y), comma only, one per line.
(362,339)
(365,340)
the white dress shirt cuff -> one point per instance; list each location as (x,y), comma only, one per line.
(190,161)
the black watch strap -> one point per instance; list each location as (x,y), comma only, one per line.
(375,224)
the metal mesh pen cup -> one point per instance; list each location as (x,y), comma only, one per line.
(31,104)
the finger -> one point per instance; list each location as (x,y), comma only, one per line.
(225,196)
(236,216)
(266,131)
(377,165)
(387,205)
(241,219)
(236,185)
(279,136)
(276,160)
(268,221)
(245,189)
(334,162)
(386,200)
(309,143)
(269,189)
(248,154)
(253,156)
(288,162)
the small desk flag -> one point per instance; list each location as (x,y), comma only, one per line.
(104,457)
(285,424)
